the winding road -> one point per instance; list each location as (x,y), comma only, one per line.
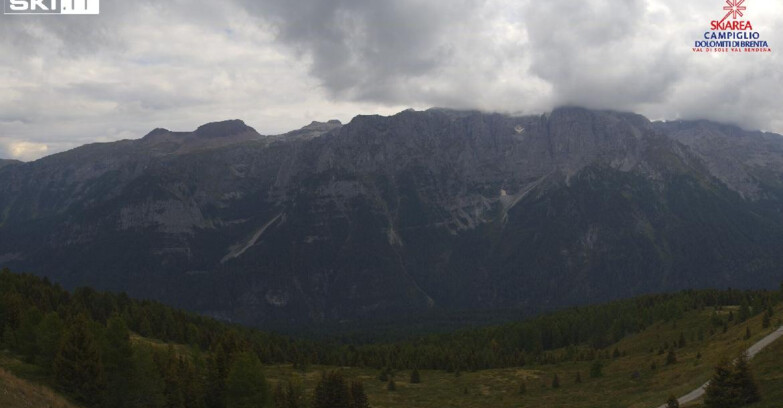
(752,351)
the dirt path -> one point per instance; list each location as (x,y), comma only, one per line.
(752,351)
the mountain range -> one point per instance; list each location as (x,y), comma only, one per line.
(419,212)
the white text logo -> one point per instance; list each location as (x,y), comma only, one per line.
(51,6)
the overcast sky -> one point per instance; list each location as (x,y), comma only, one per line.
(279,64)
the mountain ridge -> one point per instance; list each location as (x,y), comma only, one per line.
(422,210)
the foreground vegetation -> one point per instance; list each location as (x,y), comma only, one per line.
(103,349)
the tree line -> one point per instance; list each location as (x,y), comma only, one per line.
(106,349)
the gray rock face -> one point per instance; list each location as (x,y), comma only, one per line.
(420,211)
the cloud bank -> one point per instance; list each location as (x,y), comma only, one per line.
(66,81)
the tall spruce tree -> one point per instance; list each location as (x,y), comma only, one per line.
(744,381)
(732,385)
(358,398)
(77,368)
(246,386)
(146,387)
(415,377)
(117,360)
(49,333)
(331,391)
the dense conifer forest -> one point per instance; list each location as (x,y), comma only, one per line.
(106,349)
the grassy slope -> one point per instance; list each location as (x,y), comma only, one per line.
(619,387)
(18,393)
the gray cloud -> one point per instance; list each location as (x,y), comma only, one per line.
(279,64)
(370,49)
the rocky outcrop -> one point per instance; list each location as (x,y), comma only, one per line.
(420,211)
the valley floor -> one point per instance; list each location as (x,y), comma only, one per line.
(638,379)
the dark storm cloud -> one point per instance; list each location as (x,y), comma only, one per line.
(279,64)
(369,49)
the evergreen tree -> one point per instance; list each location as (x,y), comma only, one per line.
(578,379)
(744,381)
(415,377)
(217,371)
(246,386)
(671,357)
(77,367)
(117,360)
(331,391)
(26,342)
(747,333)
(522,387)
(358,398)
(672,402)
(391,386)
(732,385)
(555,381)
(279,398)
(288,396)
(146,386)
(596,370)
(720,393)
(49,333)
(744,311)
(765,321)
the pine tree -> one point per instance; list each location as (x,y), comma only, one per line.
(522,387)
(117,360)
(26,342)
(747,333)
(596,370)
(146,386)
(578,379)
(415,377)
(246,386)
(555,381)
(358,398)
(77,367)
(671,357)
(732,385)
(672,402)
(744,311)
(331,391)
(765,321)
(289,396)
(217,371)
(391,386)
(720,392)
(681,342)
(48,335)
(279,399)
(744,381)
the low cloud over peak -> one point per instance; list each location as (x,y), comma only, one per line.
(280,65)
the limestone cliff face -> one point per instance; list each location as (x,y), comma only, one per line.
(420,211)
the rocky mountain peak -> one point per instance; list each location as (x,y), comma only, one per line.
(388,215)
(223,129)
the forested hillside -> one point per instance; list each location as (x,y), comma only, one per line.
(105,349)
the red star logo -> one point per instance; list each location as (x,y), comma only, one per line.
(735,8)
